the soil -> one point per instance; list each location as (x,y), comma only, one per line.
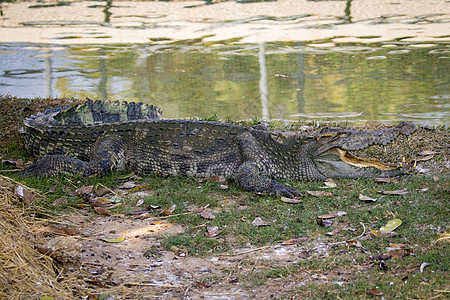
(140,263)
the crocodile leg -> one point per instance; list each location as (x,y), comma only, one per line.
(248,177)
(107,154)
(251,174)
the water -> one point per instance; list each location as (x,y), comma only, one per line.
(273,81)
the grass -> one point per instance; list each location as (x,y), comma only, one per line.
(336,270)
(332,269)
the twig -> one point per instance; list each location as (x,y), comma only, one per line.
(440,239)
(10,170)
(247,251)
(364,231)
(62,234)
(345,242)
(109,190)
(154,284)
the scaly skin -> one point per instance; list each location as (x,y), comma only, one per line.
(94,139)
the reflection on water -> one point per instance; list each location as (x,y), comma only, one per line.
(287,81)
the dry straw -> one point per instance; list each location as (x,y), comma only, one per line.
(24,272)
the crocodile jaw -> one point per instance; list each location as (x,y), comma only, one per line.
(338,163)
(360,162)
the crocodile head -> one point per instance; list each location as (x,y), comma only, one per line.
(332,158)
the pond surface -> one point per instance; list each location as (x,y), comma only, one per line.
(278,60)
(282,81)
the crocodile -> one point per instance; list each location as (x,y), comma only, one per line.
(98,137)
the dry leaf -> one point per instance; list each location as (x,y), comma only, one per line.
(60,201)
(324,222)
(218,179)
(102,211)
(396,192)
(100,191)
(179,251)
(140,202)
(139,211)
(138,188)
(84,190)
(168,211)
(381,257)
(329,183)
(100,202)
(335,231)
(118,240)
(383,234)
(388,179)
(304,254)
(143,216)
(399,253)
(290,200)
(354,243)
(333,215)
(20,164)
(423,266)
(427,152)
(25,194)
(128,185)
(391,225)
(375,292)
(201,285)
(259,222)
(60,230)
(366,199)
(195,209)
(425,158)
(395,245)
(207,215)
(320,193)
(212,231)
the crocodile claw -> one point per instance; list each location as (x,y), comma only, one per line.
(285,191)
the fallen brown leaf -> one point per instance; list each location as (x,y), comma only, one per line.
(396,192)
(218,179)
(207,215)
(127,185)
(60,201)
(102,211)
(388,179)
(168,211)
(212,231)
(25,194)
(320,193)
(290,200)
(375,292)
(84,190)
(366,198)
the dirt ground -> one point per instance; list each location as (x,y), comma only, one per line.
(167,275)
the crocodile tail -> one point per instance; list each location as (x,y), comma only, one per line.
(101,112)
